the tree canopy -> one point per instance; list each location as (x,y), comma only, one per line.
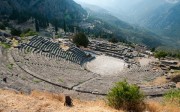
(160,54)
(113,40)
(80,39)
(15,32)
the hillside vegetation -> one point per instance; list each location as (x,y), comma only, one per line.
(121,29)
(66,14)
(44,11)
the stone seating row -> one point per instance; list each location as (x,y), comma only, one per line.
(38,59)
(53,50)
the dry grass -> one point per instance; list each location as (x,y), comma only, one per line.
(175,78)
(177,71)
(178,85)
(159,81)
(166,107)
(48,102)
(46,95)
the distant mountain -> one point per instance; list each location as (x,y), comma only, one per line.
(165,21)
(160,17)
(123,29)
(106,16)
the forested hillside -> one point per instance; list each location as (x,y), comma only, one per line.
(54,11)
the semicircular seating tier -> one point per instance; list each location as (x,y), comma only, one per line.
(53,50)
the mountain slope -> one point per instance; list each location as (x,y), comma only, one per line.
(166,22)
(160,17)
(47,9)
(123,29)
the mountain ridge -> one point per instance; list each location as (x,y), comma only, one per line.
(129,32)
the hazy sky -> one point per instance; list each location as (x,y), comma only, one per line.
(123,8)
(120,4)
(108,2)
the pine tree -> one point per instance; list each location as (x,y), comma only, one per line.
(80,39)
(65,26)
(37,25)
(56,26)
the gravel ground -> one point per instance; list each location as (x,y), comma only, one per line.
(105,65)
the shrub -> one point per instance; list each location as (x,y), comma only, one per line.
(126,96)
(160,54)
(28,32)
(5,45)
(80,39)
(153,49)
(173,96)
(2,27)
(113,40)
(15,32)
(10,66)
(176,77)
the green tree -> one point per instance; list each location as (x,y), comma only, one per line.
(160,54)
(55,23)
(64,25)
(2,27)
(113,40)
(153,49)
(15,32)
(80,39)
(178,55)
(28,32)
(127,97)
(37,25)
